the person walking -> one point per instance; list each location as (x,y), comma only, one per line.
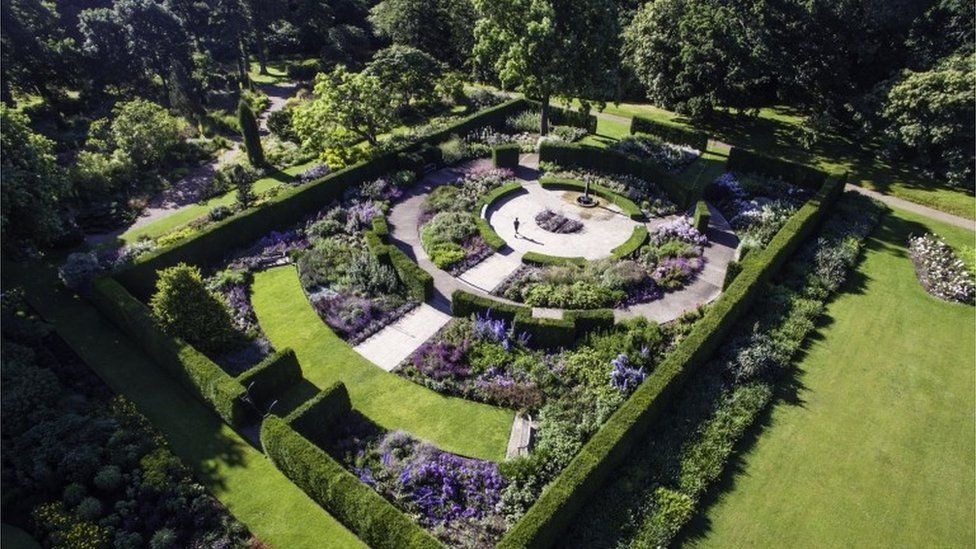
(516,224)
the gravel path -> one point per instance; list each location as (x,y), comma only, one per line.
(903,204)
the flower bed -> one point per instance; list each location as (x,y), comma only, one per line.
(940,272)
(755,206)
(668,156)
(555,222)
(571,391)
(671,260)
(448,232)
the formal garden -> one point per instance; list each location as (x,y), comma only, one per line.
(403,273)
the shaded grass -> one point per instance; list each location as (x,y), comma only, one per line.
(12,537)
(240,476)
(452,424)
(776,131)
(878,444)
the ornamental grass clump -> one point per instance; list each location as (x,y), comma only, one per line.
(940,271)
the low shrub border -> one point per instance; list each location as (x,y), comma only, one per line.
(632,245)
(746,161)
(419,283)
(271,377)
(536,258)
(485,229)
(290,204)
(373,519)
(200,375)
(702,217)
(505,156)
(670,132)
(560,501)
(628,206)
(605,160)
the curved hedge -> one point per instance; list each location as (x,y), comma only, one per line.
(670,132)
(485,229)
(628,206)
(536,258)
(562,499)
(634,243)
(605,160)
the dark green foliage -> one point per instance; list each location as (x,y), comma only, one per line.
(303,71)
(419,283)
(271,377)
(548,333)
(252,138)
(745,161)
(380,226)
(317,417)
(485,229)
(590,320)
(184,307)
(536,258)
(292,203)
(630,209)
(566,117)
(200,375)
(605,160)
(465,304)
(670,132)
(542,525)
(731,271)
(702,217)
(353,503)
(505,156)
(632,245)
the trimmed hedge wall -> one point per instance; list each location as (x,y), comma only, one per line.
(594,158)
(485,229)
(505,156)
(746,161)
(634,243)
(291,204)
(670,132)
(560,116)
(702,217)
(586,473)
(535,258)
(419,283)
(200,375)
(628,206)
(316,416)
(271,377)
(546,332)
(373,519)
(380,226)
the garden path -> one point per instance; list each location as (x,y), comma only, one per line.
(931,213)
(189,190)
(395,342)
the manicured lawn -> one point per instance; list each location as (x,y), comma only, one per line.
(182,217)
(244,480)
(878,448)
(776,132)
(452,424)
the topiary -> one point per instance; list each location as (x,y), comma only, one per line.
(252,138)
(184,307)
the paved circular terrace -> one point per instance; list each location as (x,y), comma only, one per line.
(604,227)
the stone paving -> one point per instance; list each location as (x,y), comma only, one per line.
(394,343)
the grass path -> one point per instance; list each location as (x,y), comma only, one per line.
(241,477)
(452,424)
(879,449)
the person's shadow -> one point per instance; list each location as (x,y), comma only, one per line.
(532,240)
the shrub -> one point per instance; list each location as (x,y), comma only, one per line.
(279,124)
(79,270)
(185,308)
(89,509)
(505,156)
(245,193)
(219,212)
(108,478)
(702,217)
(303,71)
(249,129)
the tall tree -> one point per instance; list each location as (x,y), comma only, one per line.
(441,28)
(252,138)
(31,183)
(409,74)
(35,54)
(155,37)
(343,105)
(547,48)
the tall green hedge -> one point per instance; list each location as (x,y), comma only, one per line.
(702,217)
(600,159)
(746,161)
(419,282)
(204,379)
(317,416)
(241,229)
(485,229)
(586,473)
(670,132)
(373,519)
(634,243)
(505,156)
(536,258)
(271,377)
